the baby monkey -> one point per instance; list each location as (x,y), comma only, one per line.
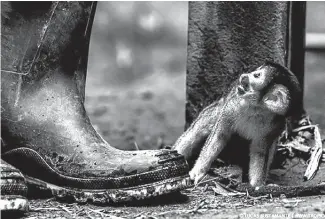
(256,109)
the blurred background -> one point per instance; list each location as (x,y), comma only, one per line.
(135,91)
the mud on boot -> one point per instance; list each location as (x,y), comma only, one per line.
(13,189)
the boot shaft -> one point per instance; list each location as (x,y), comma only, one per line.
(44,54)
(39,39)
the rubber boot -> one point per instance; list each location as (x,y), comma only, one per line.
(13,189)
(46,132)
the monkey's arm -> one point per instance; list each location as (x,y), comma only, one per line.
(215,143)
(195,136)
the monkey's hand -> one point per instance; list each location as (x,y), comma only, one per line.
(197,174)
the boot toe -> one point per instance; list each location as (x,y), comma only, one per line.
(123,169)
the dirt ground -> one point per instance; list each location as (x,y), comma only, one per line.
(150,112)
(191,204)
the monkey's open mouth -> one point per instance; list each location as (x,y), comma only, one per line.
(241,90)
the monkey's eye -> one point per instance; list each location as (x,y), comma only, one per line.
(257,75)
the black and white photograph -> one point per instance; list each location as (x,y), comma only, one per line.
(162,109)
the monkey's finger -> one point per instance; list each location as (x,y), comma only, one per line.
(197,176)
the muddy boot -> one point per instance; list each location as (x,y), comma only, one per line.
(45,129)
(13,189)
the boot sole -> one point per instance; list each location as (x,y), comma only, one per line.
(13,203)
(105,196)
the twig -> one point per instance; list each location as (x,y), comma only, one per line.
(104,215)
(258,197)
(88,215)
(174,211)
(220,189)
(97,212)
(136,146)
(199,183)
(138,215)
(304,127)
(46,209)
(315,156)
(65,209)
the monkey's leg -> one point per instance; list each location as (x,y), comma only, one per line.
(215,143)
(195,136)
(261,155)
(272,152)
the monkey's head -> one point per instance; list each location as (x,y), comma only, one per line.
(272,86)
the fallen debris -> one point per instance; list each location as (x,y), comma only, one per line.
(305,142)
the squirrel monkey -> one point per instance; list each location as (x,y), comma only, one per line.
(256,109)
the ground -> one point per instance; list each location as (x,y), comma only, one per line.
(192,204)
(147,109)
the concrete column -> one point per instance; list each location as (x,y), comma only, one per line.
(228,38)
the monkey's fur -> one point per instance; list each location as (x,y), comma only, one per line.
(256,109)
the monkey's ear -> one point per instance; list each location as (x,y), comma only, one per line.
(277,99)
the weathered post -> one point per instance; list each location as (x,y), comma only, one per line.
(296,39)
(228,38)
